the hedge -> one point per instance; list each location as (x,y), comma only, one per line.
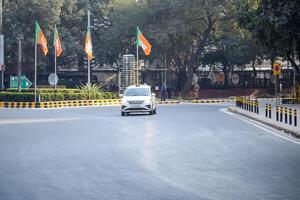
(54,96)
(13,96)
(46,90)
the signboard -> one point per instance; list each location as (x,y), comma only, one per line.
(52,79)
(235,79)
(276,69)
(25,83)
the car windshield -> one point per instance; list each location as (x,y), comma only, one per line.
(137,92)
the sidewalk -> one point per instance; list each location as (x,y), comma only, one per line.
(288,127)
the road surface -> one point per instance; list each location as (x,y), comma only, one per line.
(184,152)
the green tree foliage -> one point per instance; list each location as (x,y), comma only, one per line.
(274,24)
(19,18)
(68,15)
(184,33)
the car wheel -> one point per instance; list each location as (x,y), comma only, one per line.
(151,112)
(123,113)
(154,111)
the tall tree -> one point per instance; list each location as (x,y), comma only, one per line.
(275,24)
(19,19)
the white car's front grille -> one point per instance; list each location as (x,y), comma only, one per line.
(136,102)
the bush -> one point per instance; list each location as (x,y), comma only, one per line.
(46,97)
(46,90)
(49,95)
(14,96)
(107,95)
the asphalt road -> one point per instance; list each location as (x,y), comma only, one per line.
(184,152)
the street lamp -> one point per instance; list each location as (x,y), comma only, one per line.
(96,25)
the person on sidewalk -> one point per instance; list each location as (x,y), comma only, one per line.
(196,89)
(163,93)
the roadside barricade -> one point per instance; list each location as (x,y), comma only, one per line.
(286,115)
(247,104)
(60,104)
(282,114)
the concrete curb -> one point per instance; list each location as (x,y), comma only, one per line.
(278,127)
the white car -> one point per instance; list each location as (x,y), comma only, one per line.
(138,98)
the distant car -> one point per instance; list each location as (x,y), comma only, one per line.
(138,98)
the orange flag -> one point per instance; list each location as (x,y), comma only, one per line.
(57,43)
(40,38)
(143,42)
(88,45)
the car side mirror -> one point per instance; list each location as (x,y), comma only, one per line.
(121,95)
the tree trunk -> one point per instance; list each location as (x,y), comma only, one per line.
(225,71)
(202,42)
(292,61)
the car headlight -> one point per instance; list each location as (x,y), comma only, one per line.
(124,101)
(147,101)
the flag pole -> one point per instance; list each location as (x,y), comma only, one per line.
(55,64)
(89,63)
(137,64)
(89,72)
(35,69)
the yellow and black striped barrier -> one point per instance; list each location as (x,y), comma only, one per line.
(60,104)
(295,117)
(257,106)
(212,101)
(18,104)
(281,113)
(285,115)
(102,102)
(247,104)
(277,113)
(168,102)
(268,109)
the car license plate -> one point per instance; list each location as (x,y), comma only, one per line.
(136,106)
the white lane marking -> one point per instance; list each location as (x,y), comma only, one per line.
(28,121)
(266,128)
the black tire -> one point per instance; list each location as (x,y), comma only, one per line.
(123,113)
(151,112)
(154,111)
